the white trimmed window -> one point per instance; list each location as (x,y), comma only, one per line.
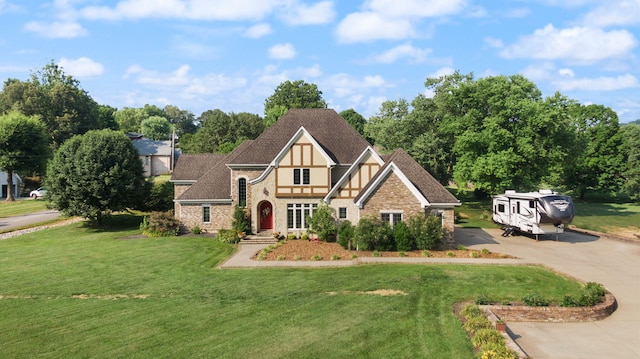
(297,214)
(206,214)
(391,217)
(301,176)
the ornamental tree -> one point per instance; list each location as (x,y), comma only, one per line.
(94,174)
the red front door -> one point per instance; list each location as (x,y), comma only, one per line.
(266,215)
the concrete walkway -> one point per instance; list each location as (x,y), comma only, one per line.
(613,263)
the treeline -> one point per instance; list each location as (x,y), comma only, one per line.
(490,134)
(499,132)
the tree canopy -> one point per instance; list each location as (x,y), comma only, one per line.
(288,95)
(24,146)
(156,128)
(64,107)
(222,132)
(94,174)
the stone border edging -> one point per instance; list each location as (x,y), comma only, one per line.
(555,314)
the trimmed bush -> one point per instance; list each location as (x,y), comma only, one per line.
(346,232)
(427,231)
(471,310)
(402,236)
(241,220)
(323,223)
(372,234)
(487,338)
(160,224)
(477,323)
(535,300)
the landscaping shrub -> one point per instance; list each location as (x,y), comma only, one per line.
(323,223)
(591,294)
(241,220)
(372,234)
(402,236)
(482,299)
(535,300)
(160,224)
(196,230)
(471,310)
(346,232)
(487,338)
(476,323)
(427,231)
(229,236)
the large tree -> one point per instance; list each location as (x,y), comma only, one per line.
(222,132)
(296,94)
(597,162)
(355,119)
(94,174)
(64,107)
(24,146)
(631,150)
(156,128)
(182,120)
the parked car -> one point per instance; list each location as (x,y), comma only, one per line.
(38,193)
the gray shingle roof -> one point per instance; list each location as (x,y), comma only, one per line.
(215,184)
(147,147)
(190,166)
(430,188)
(341,141)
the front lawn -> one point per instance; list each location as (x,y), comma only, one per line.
(20,207)
(78,292)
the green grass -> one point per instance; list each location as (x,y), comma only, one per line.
(163,297)
(607,217)
(16,208)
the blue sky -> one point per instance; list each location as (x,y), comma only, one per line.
(232,54)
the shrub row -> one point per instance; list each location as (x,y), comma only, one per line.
(591,294)
(371,233)
(488,341)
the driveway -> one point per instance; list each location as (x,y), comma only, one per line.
(611,262)
(9,223)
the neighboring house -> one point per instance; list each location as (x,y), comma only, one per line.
(157,157)
(5,187)
(307,157)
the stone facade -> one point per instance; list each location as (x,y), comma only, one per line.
(391,196)
(191,215)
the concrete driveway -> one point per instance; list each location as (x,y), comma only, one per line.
(9,223)
(613,263)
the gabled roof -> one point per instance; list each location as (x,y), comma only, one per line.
(418,180)
(354,167)
(338,139)
(301,132)
(192,166)
(147,147)
(213,186)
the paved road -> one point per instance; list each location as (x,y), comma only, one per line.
(613,263)
(27,219)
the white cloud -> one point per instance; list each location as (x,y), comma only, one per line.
(566,73)
(416,8)
(443,71)
(344,85)
(82,67)
(282,51)
(302,14)
(408,51)
(259,30)
(602,83)
(539,72)
(56,29)
(369,26)
(181,9)
(613,13)
(577,44)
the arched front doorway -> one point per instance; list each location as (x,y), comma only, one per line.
(265,210)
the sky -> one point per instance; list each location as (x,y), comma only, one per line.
(232,54)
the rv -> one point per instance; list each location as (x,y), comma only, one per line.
(542,212)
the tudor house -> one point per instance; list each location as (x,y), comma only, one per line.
(307,157)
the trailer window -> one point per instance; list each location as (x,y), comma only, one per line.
(518,210)
(500,207)
(532,204)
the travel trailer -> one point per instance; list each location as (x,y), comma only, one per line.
(542,212)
